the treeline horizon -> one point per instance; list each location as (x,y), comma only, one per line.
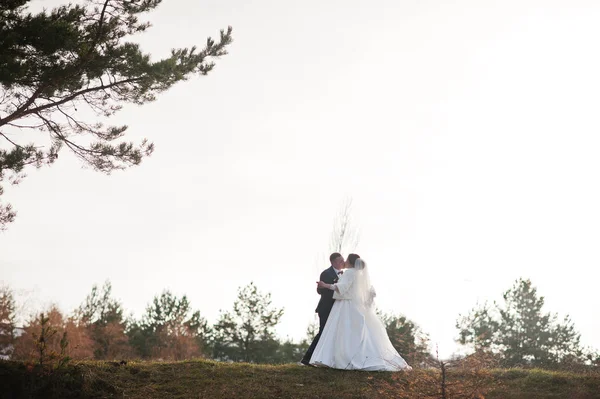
(516,333)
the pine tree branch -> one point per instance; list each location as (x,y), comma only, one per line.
(17,113)
(10,141)
(83,92)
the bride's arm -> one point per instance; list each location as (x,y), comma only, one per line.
(331,287)
(343,285)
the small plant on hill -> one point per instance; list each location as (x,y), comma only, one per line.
(46,356)
(460,378)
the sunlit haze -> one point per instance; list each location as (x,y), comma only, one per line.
(466,133)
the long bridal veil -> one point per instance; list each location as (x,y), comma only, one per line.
(365,293)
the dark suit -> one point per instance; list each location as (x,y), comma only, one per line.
(328,276)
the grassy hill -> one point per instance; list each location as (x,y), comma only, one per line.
(209,379)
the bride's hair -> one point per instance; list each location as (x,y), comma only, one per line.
(352,259)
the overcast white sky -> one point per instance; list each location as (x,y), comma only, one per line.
(465,131)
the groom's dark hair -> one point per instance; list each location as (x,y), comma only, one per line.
(352,258)
(334,256)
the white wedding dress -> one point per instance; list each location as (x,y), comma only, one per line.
(354,338)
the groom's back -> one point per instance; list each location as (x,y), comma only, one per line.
(328,276)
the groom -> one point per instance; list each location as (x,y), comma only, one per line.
(329,276)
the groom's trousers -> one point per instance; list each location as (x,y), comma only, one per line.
(323,315)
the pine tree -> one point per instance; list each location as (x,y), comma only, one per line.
(479,328)
(102,316)
(7,322)
(169,329)
(55,65)
(520,331)
(247,334)
(44,339)
(408,339)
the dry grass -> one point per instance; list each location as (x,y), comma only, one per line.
(209,379)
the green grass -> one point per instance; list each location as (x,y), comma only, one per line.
(209,379)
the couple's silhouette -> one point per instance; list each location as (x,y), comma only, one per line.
(351,336)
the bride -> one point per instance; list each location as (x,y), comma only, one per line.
(354,337)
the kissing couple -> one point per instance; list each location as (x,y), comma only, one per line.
(351,335)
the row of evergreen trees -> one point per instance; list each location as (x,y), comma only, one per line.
(171,329)
(514,332)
